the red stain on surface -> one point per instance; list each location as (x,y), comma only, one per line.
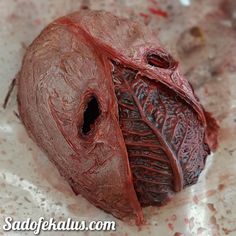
(224,177)
(171,226)
(178,234)
(158,12)
(211,207)
(186,221)
(210,192)
(213,221)
(221,187)
(228,231)
(146,17)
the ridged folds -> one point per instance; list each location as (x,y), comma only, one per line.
(162,133)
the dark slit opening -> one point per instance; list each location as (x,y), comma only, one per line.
(161,61)
(91,113)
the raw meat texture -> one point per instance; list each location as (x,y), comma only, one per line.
(163,136)
(107,104)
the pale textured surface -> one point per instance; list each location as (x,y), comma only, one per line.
(31,186)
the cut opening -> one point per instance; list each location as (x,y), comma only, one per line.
(159,60)
(91,113)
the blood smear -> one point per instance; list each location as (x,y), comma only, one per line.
(158,12)
(171,226)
